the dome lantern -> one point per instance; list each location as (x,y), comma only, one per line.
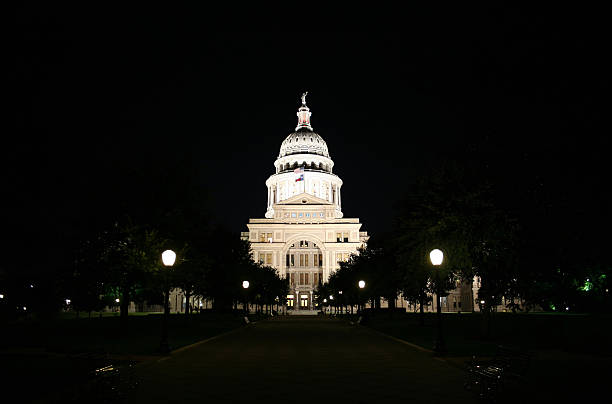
(303,115)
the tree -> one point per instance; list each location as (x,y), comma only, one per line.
(131,255)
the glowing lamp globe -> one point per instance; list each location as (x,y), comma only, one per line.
(436,256)
(361,284)
(168,258)
(245,284)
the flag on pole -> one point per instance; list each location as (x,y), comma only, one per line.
(300,174)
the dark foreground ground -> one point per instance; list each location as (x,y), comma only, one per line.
(300,360)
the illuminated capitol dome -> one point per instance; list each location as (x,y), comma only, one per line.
(304,153)
(304,234)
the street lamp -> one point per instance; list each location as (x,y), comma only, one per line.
(361,285)
(168,258)
(245,286)
(437,257)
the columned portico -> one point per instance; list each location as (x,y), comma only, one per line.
(304,234)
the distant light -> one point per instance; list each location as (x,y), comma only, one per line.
(482,302)
(245,284)
(201,304)
(168,257)
(324,300)
(67,301)
(361,284)
(31,286)
(340,292)
(2,296)
(331,297)
(436,256)
(567,309)
(24,308)
(116,300)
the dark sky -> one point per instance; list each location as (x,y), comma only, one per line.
(97,95)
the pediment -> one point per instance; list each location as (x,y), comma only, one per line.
(304,199)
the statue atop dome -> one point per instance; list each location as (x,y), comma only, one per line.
(304,98)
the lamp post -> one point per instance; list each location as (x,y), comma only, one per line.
(168,258)
(437,257)
(361,285)
(245,286)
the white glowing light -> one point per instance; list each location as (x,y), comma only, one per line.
(361,284)
(24,308)
(331,297)
(324,300)
(31,286)
(116,300)
(168,257)
(567,309)
(1,296)
(482,302)
(201,304)
(436,256)
(340,292)
(67,301)
(245,284)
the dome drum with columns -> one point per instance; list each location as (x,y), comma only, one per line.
(304,234)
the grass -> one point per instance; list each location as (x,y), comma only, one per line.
(105,335)
(465,333)
(59,356)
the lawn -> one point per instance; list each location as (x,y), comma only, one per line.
(60,356)
(104,335)
(465,336)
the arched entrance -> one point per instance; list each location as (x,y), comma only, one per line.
(303,263)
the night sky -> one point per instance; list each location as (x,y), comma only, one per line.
(100,100)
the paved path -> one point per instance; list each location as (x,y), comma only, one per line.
(301,360)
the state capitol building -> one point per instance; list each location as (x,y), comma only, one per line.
(304,234)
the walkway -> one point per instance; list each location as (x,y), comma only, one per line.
(301,360)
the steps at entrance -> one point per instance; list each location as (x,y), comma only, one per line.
(302,312)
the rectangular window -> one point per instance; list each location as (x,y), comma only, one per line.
(301,278)
(315,278)
(307,214)
(320,260)
(345,235)
(306,279)
(269,237)
(316,260)
(292,260)
(262,237)
(301,260)
(269,259)
(287,260)
(292,279)
(301,214)
(306,260)
(262,258)
(338,257)
(293,214)
(321,214)
(338,237)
